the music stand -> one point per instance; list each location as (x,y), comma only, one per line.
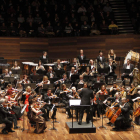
(52,80)
(9,79)
(45,86)
(98,85)
(102,97)
(86,77)
(85,61)
(80,86)
(32,85)
(16,71)
(127,71)
(74,77)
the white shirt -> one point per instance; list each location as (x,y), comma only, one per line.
(128,66)
(44,57)
(82,57)
(110,68)
(100,58)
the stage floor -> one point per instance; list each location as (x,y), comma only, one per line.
(63,134)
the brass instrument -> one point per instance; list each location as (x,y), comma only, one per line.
(101,65)
(96,66)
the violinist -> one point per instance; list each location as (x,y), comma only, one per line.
(45,81)
(114,89)
(72,72)
(33,115)
(111,70)
(27,93)
(102,91)
(74,94)
(50,73)
(4,119)
(123,120)
(40,66)
(15,67)
(47,97)
(65,98)
(131,91)
(123,92)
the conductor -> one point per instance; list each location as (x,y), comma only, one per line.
(86,95)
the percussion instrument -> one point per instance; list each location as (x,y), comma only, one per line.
(133,56)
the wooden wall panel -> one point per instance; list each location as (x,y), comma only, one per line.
(32,48)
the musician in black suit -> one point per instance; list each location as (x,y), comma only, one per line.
(4,119)
(123,120)
(72,72)
(86,95)
(31,75)
(58,65)
(100,62)
(50,73)
(81,56)
(110,66)
(44,58)
(130,67)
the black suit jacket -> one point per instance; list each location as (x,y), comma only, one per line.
(3,113)
(86,95)
(103,59)
(48,74)
(79,57)
(44,61)
(131,67)
(113,67)
(55,66)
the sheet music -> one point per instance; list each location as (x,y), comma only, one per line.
(74,102)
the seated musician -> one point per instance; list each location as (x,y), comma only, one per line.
(114,89)
(123,92)
(92,66)
(123,120)
(132,90)
(5,74)
(40,66)
(80,80)
(74,94)
(65,98)
(39,103)
(31,75)
(47,97)
(51,73)
(45,81)
(111,70)
(72,72)
(34,116)
(44,58)
(27,94)
(100,62)
(58,65)
(111,54)
(75,64)
(98,79)
(81,56)
(87,72)
(130,67)
(6,120)
(102,91)
(15,67)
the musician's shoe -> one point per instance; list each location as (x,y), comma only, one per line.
(109,123)
(80,122)
(16,127)
(10,130)
(4,132)
(114,129)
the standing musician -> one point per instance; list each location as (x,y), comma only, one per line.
(40,66)
(86,95)
(51,73)
(130,67)
(111,54)
(4,119)
(111,70)
(15,67)
(27,93)
(81,56)
(115,88)
(34,116)
(101,61)
(58,65)
(44,58)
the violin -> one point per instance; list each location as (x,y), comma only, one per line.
(137,112)
(104,92)
(76,95)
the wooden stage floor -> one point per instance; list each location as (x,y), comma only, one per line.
(62,133)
